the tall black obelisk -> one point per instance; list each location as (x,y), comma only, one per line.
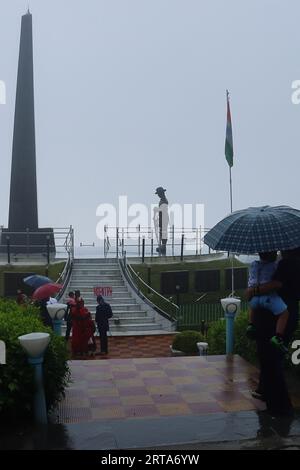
(23,210)
(23,233)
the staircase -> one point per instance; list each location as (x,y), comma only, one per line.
(131,315)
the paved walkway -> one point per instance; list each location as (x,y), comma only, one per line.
(124,347)
(158,387)
(160,403)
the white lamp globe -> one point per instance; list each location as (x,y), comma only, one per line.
(57,311)
(231,305)
(35,344)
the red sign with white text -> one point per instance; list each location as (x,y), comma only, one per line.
(105,291)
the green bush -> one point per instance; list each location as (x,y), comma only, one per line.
(216,338)
(242,345)
(16,377)
(186,341)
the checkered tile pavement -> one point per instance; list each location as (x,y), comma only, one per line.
(157,387)
(137,346)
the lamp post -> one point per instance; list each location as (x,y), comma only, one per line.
(177,294)
(35,345)
(231,307)
(202,347)
(57,312)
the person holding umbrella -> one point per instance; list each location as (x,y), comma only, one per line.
(257,230)
(261,273)
(42,295)
(272,387)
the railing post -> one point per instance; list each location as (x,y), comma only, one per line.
(149,279)
(173,239)
(8,249)
(200,237)
(72,243)
(117,241)
(152,246)
(48,249)
(182,247)
(139,240)
(27,241)
(143,251)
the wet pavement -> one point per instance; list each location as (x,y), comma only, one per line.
(243,430)
(160,403)
(158,387)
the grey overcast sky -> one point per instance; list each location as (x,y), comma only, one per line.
(130,95)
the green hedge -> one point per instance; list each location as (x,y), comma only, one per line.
(16,377)
(186,341)
(216,338)
(246,348)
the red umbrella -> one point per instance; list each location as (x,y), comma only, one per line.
(46,291)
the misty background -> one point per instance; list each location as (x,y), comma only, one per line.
(131,95)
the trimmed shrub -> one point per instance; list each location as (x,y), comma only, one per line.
(216,338)
(16,377)
(186,341)
(244,346)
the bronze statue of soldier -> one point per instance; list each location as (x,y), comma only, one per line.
(161,221)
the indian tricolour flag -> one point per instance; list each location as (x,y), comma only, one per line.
(229,140)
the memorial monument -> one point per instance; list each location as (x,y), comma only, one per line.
(23,233)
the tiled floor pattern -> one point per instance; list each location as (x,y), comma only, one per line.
(157,387)
(137,346)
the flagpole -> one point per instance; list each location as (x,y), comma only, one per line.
(230,183)
(231,203)
(232,259)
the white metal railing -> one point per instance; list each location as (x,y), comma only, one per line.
(145,242)
(130,273)
(56,243)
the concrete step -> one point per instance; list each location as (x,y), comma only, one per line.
(93,261)
(90,273)
(89,288)
(97,276)
(107,278)
(116,308)
(135,327)
(95,283)
(96,272)
(90,300)
(131,321)
(113,303)
(120,312)
(116,294)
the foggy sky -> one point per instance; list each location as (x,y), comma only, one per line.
(130,95)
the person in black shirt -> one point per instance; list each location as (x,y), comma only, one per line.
(103,313)
(68,316)
(272,386)
(45,317)
(287,276)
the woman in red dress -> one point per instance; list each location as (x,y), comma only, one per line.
(81,330)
